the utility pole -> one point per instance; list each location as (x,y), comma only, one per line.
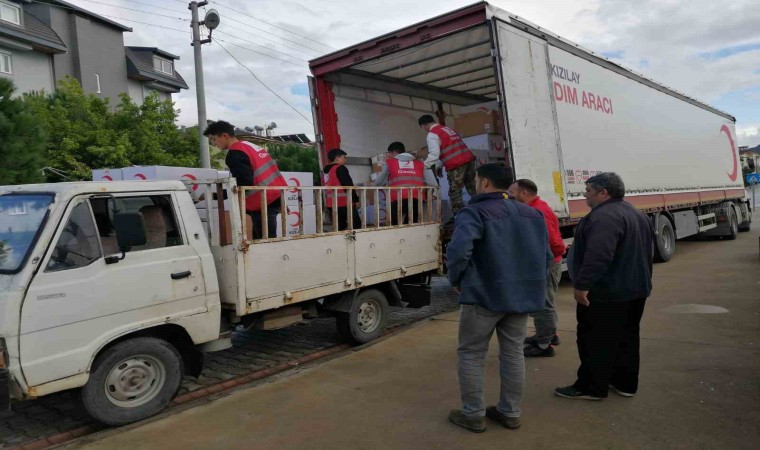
(200,90)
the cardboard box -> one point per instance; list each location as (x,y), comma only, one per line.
(294,221)
(492,144)
(378,161)
(106,174)
(477,122)
(142,173)
(299,179)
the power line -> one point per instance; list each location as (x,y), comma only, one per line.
(256,51)
(259,45)
(264,84)
(157,7)
(270,24)
(266,38)
(279,37)
(132,9)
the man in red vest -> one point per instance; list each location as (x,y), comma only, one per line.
(251,165)
(403,169)
(445,147)
(336,174)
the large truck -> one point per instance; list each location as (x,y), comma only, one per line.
(563,114)
(118,287)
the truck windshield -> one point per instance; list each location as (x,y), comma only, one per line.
(21,218)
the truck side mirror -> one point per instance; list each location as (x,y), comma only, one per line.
(130,232)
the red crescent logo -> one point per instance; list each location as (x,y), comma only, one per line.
(192,177)
(483,108)
(140,176)
(731,176)
(107,178)
(296,183)
(298,219)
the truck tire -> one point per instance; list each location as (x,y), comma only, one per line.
(733,225)
(367,318)
(133,380)
(665,241)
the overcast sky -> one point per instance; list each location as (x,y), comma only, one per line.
(707,49)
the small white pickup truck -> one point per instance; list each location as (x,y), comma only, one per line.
(117,288)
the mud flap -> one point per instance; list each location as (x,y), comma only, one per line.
(5,390)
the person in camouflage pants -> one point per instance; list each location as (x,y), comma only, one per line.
(459,178)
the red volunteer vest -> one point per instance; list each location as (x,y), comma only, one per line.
(454,152)
(332,180)
(265,173)
(405,173)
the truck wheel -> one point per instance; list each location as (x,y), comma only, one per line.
(733,225)
(665,241)
(367,319)
(133,380)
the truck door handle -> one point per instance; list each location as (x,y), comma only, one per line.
(180,275)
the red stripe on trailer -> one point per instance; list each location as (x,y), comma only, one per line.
(662,202)
(327,118)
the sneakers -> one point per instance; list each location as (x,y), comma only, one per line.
(532,350)
(531,340)
(493,413)
(573,393)
(476,425)
(621,393)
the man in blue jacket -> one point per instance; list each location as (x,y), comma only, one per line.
(498,260)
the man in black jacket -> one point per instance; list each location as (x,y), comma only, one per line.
(336,174)
(610,264)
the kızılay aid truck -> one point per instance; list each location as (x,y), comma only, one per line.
(554,112)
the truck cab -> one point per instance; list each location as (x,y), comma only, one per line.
(73,286)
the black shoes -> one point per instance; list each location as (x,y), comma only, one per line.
(573,393)
(493,413)
(532,351)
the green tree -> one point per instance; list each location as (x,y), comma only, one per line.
(86,133)
(296,158)
(22,140)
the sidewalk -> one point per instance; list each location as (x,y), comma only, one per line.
(700,382)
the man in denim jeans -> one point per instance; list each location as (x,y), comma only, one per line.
(498,260)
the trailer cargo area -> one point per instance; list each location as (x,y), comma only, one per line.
(554,112)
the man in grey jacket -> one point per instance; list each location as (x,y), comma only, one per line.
(610,264)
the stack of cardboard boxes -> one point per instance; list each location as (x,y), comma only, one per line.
(295,179)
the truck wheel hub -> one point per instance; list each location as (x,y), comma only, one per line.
(135,381)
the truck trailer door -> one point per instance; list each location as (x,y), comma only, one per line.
(531,114)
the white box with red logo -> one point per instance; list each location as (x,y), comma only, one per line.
(490,144)
(299,179)
(138,173)
(294,221)
(106,174)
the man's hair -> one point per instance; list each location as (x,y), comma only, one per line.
(426,120)
(610,181)
(397,147)
(528,185)
(497,173)
(333,154)
(218,128)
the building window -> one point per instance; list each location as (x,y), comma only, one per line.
(163,65)
(5,63)
(10,13)
(97,82)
